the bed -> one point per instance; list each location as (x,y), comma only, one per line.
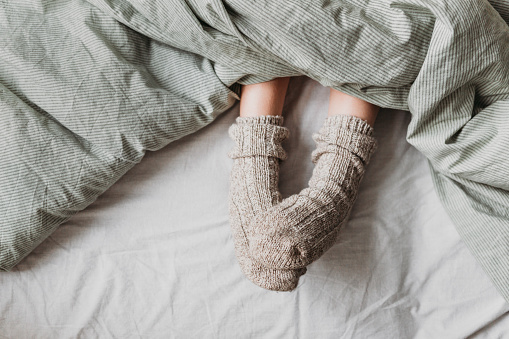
(153,256)
(114,174)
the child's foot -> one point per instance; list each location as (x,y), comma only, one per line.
(254,189)
(301,228)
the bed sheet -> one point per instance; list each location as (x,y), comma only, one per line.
(153,256)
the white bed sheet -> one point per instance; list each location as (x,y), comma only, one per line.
(153,256)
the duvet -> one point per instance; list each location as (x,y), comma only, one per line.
(87,87)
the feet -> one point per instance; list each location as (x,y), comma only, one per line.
(276,239)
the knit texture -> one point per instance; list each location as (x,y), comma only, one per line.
(302,227)
(254,189)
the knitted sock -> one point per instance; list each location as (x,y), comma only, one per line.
(301,228)
(254,189)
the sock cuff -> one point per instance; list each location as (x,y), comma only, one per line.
(347,122)
(258,136)
(262,119)
(346,132)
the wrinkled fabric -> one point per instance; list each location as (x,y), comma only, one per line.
(87,88)
(154,257)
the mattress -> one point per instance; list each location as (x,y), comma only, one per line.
(153,256)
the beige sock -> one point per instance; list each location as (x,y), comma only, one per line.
(301,228)
(254,189)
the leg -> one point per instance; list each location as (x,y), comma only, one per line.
(258,134)
(266,98)
(344,104)
(301,228)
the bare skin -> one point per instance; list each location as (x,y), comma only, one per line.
(341,103)
(267,98)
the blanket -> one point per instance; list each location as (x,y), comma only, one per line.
(87,87)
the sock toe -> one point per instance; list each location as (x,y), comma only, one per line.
(279,251)
(273,279)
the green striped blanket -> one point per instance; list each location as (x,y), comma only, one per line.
(86,88)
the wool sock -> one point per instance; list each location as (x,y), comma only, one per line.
(302,227)
(254,189)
